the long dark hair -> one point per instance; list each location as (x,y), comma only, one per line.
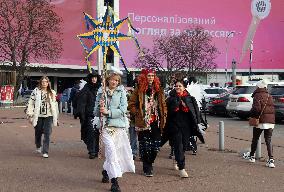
(48,87)
(89,79)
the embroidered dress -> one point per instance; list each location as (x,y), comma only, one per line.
(118,152)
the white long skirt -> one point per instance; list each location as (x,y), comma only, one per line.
(118,153)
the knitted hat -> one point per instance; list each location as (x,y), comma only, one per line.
(262,83)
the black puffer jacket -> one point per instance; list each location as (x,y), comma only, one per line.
(259,98)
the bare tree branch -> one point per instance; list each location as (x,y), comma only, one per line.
(30,30)
(192,52)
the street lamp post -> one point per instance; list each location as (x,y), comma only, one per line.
(234,73)
(227,48)
(250,59)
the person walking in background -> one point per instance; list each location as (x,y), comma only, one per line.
(42,112)
(114,133)
(182,122)
(195,90)
(262,109)
(132,132)
(85,103)
(72,99)
(147,105)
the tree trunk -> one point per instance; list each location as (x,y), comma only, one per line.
(19,80)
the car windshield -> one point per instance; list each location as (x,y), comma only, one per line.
(277,90)
(214,91)
(244,90)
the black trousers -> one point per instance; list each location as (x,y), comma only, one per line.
(44,126)
(179,148)
(149,145)
(267,136)
(90,136)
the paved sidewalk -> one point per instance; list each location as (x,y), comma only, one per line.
(69,169)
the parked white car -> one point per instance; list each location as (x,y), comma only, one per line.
(211,93)
(240,101)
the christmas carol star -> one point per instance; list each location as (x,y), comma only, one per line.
(105,34)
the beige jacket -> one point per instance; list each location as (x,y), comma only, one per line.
(33,108)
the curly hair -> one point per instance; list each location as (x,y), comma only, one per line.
(143,83)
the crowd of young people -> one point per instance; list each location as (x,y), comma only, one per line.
(103,113)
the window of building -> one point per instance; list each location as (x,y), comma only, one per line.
(110,56)
(109,2)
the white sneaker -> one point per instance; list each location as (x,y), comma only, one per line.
(270,163)
(183,173)
(251,159)
(175,166)
(45,155)
(246,155)
(38,150)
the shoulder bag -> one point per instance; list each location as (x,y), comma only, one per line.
(255,121)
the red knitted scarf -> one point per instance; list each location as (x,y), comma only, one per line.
(181,107)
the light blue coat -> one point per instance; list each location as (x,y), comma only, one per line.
(117,107)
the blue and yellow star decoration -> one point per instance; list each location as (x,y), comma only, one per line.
(106,34)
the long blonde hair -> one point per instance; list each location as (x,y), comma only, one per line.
(49,91)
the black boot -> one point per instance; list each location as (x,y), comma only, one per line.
(172,153)
(148,169)
(114,185)
(105,178)
(93,156)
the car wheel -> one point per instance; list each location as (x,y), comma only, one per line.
(243,117)
(278,120)
(230,114)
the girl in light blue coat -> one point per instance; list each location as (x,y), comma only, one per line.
(114,133)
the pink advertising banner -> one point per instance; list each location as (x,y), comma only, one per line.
(218,18)
(71,12)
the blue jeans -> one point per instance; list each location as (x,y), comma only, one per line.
(133,140)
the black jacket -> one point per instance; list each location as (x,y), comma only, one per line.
(187,122)
(73,93)
(86,99)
